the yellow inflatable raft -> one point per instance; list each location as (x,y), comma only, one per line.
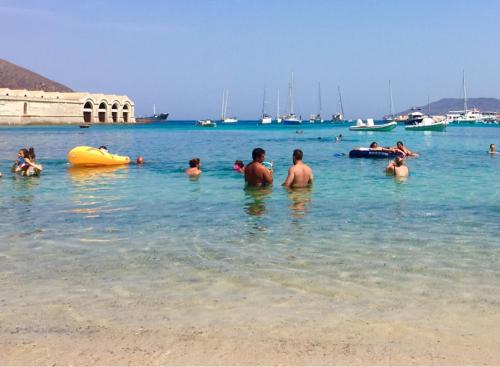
(93,157)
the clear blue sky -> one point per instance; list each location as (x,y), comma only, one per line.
(182,54)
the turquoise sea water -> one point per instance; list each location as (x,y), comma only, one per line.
(357,242)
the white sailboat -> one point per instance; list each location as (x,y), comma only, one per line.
(390,117)
(339,116)
(278,117)
(291,118)
(317,117)
(224,119)
(265,119)
(468,116)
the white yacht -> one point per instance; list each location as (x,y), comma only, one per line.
(278,117)
(316,118)
(339,116)
(265,119)
(467,116)
(291,118)
(224,119)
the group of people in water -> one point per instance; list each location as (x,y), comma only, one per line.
(259,173)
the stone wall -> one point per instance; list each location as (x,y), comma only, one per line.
(22,107)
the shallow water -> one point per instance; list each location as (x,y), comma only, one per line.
(358,243)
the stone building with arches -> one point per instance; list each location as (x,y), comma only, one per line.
(24,107)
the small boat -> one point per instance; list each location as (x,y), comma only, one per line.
(428,124)
(206,123)
(291,118)
(94,157)
(265,119)
(224,119)
(414,118)
(370,126)
(316,118)
(86,126)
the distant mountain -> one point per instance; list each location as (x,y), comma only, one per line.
(16,77)
(444,105)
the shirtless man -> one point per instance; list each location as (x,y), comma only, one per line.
(194,167)
(399,146)
(256,174)
(397,168)
(300,174)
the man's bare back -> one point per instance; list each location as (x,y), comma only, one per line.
(300,174)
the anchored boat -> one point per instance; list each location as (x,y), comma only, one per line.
(428,124)
(370,126)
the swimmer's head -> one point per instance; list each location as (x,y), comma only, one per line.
(23,153)
(492,148)
(258,155)
(139,160)
(399,161)
(239,164)
(297,155)
(194,162)
(399,144)
(374,145)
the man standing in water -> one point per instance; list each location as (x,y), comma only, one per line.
(256,174)
(300,174)
(397,168)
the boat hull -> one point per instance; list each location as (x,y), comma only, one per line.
(152,119)
(384,127)
(291,122)
(434,127)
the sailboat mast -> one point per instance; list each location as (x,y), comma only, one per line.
(278,105)
(290,95)
(319,98)
(391,107)
(154,109)
(428,105)
(465,91)
(340,100)
(223,103)
(264,103)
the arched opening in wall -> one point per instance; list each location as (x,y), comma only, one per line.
(87,112)
(25,108)
(125,113)
(102,112)
(114,112)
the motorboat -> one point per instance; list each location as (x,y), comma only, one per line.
(266,119)
(206,123)
(369,125)
(428,124)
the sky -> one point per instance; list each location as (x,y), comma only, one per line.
(181,55)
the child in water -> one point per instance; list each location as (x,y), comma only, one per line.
(239,166)
(26,163)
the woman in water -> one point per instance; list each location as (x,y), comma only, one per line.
(194,167)
(493,149)
(26,163)
(239,166)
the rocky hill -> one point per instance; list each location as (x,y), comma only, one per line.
(444,105)
(16,77)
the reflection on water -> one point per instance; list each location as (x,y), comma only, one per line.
(106,173)
(255,200)
(300,199)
